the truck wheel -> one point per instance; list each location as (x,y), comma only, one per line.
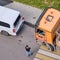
(50,47)
(4,33)
(54,42)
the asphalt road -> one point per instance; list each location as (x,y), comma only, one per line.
(13,47)
(31,14)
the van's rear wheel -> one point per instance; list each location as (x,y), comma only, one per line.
(50,47)
(4,33)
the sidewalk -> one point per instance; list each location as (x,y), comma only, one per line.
(31,14)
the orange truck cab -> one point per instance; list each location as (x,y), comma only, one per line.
(46,25)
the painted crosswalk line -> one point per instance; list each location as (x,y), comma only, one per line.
(42,57)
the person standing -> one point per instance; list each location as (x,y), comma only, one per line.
(28,50)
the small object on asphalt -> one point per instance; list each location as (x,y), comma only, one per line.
(20,41)
(21,36)
(34,17)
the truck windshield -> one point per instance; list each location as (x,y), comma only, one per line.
(40,32)
(17,20)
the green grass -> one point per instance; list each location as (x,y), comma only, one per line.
(42,3)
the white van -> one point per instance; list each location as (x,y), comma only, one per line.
(10,21)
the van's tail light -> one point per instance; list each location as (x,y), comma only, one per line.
(14,30)
(22,18)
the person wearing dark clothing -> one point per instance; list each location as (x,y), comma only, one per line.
(28,50)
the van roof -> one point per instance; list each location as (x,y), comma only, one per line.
(8,15)
(50,19)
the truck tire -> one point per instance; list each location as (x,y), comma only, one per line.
(50,47)
(54,42)
(4,33)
